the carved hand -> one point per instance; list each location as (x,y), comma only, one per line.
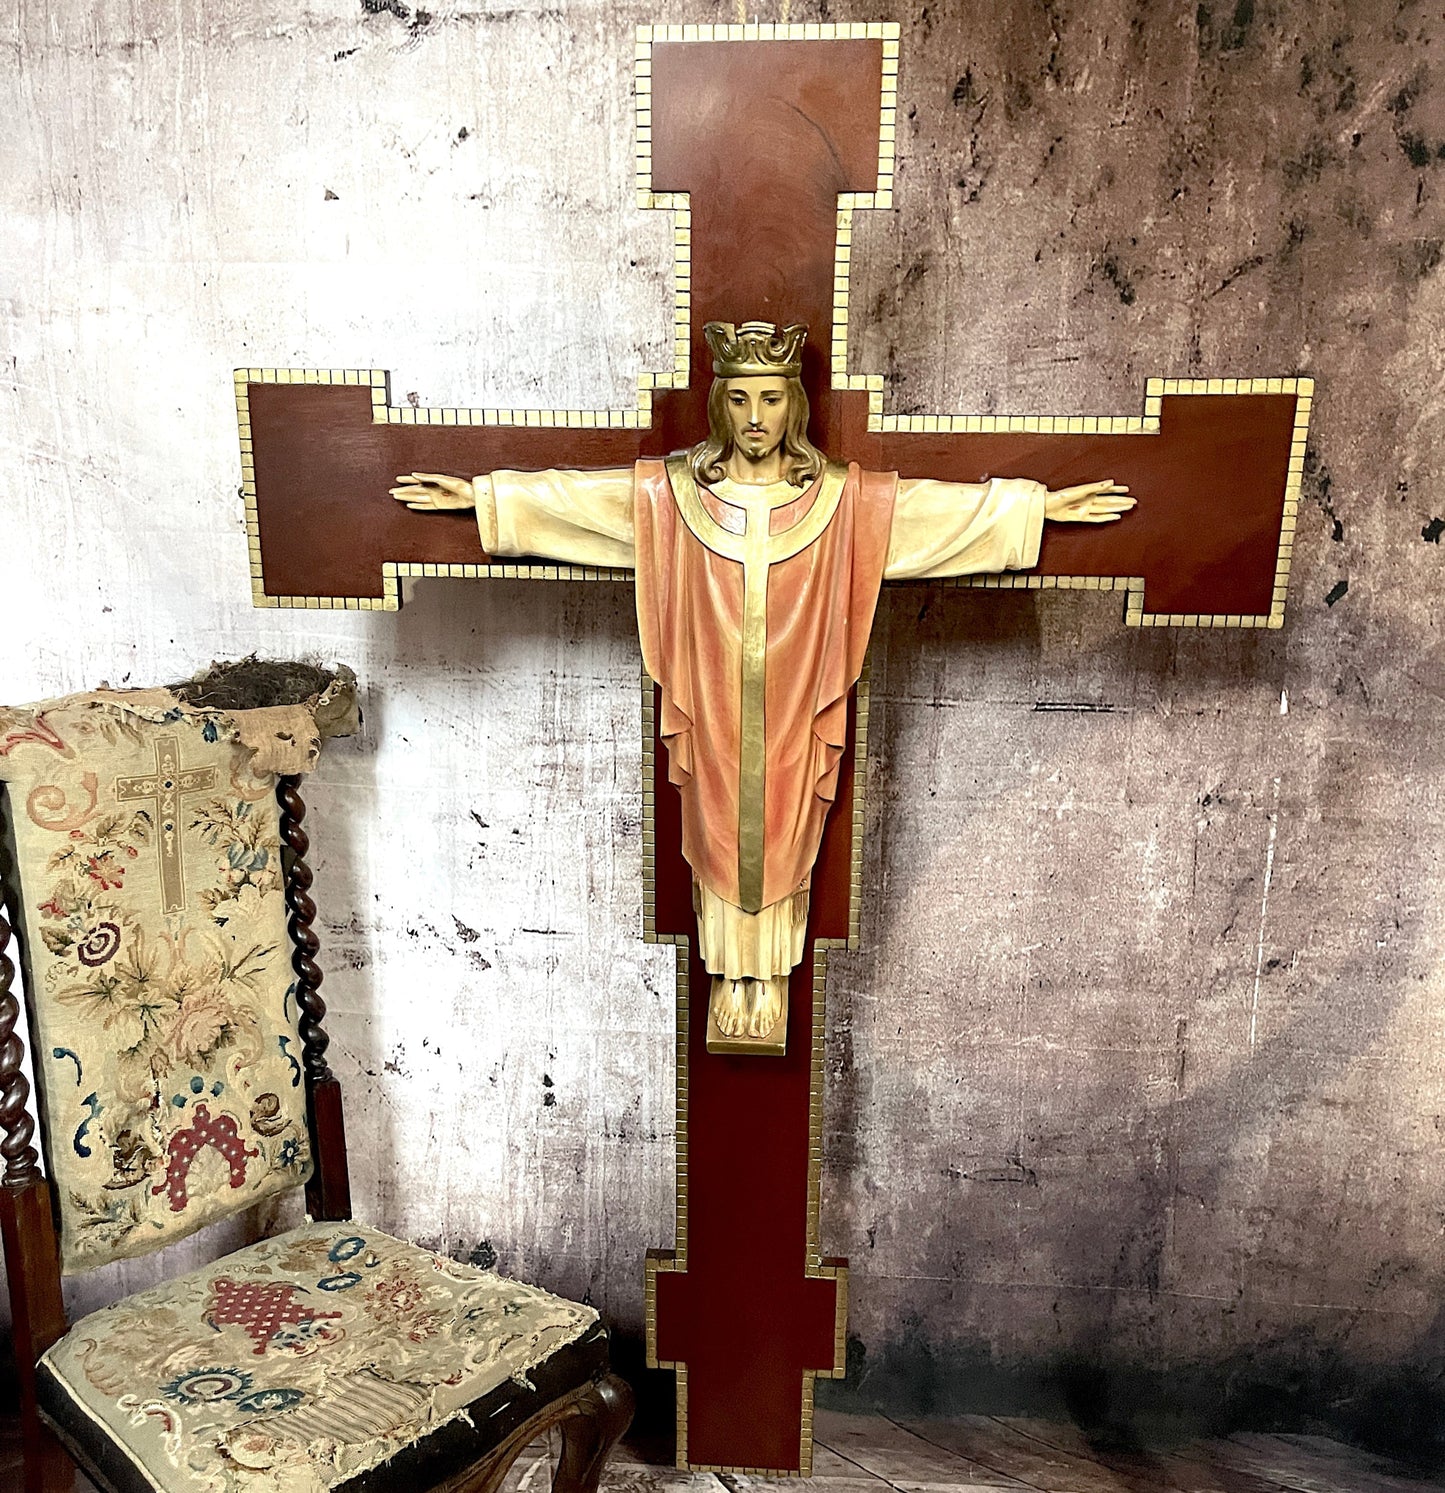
(430,492)
(1103,502)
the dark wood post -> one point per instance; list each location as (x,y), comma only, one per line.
(27,1219)
(328,1193)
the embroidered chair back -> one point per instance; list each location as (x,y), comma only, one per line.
(145,847)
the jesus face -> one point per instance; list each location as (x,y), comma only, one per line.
(757,410)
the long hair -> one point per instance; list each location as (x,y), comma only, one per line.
(802,461)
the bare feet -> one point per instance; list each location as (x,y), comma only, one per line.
(748,1008)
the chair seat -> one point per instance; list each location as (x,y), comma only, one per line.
(332,1357)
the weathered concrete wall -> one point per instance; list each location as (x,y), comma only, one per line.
(1138,1066)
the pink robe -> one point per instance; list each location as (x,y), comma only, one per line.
(816,617)
(820,605)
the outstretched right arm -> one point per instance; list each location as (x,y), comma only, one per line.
(578,518)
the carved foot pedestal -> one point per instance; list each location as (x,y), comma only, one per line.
(748,1017)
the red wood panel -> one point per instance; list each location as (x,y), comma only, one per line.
(745,1318)
(1210,484)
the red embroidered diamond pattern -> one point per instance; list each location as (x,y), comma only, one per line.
(262,1308)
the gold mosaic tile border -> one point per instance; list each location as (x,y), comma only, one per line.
(1146,424)
(816,1267)
(674,1260)
(860,798)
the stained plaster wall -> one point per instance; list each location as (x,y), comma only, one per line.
(1138,1068)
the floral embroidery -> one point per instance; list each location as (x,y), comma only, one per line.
(99,945)
(197,1386)
(134,1157)
(248,857)
(397,1296)
(103,1222)
(248,1377)
(92,863)
(396,1299)
(157,1002)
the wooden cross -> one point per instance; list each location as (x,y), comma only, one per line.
(165,788)
(745,1308)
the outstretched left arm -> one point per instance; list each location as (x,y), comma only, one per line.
(969,528)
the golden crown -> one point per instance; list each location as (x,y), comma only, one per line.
(755,347)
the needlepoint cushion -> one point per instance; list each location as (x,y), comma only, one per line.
(146,839)
(325,1359)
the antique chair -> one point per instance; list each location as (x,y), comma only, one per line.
(155,874)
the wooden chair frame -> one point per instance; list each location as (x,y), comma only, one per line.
(590,1418)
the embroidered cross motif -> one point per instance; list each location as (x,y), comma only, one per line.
(165,787)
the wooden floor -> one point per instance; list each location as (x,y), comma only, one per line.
(867,1453)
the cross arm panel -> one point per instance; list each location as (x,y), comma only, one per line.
(1216,469)
(318,458)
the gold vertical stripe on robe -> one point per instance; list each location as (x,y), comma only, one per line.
(626,517)
(757,551)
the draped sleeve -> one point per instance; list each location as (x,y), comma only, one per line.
(964,528)
(579,518)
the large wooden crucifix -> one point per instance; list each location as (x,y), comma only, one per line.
(740,126)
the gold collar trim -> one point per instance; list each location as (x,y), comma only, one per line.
(711,534)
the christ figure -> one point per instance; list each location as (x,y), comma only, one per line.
(757,564)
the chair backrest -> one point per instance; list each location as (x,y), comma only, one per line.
(167,995)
